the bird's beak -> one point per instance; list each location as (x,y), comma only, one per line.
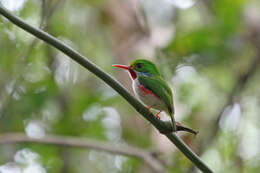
(121,66)
(125,67)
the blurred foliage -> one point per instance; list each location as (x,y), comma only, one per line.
(202,51)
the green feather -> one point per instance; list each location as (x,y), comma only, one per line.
(160,88)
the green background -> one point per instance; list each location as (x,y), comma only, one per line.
(208,52)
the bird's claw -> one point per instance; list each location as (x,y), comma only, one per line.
(148,108)
(157,115)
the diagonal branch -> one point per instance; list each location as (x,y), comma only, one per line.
(164,128)
(68,141)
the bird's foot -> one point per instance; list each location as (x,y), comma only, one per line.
(148,108)
(157,115)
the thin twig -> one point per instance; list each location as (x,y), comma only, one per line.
(161,126)
(68,141)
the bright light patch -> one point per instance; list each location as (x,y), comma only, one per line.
(112,123)
(119,161)
(35,129)
(213,159)
(183,4)
(249,131)
(249,146)
(26,161)
(111,120)
(230,118)
(91,114)
(185,72)
(26,156)
(34,168)
(10,167)
(66,71)
(13,5)
(35,72)
(107,162)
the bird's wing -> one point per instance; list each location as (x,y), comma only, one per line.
(160,88)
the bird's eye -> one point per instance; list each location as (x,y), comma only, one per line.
(139,65)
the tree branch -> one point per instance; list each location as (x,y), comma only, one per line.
(164,128)
(67,141)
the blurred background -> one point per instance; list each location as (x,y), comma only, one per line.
(208,51)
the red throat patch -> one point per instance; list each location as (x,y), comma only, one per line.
(132,73)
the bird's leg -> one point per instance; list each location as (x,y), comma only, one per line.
(157,114)
(148,108)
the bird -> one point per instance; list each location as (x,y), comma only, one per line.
(150,87)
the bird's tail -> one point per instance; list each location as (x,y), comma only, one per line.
(173,121)
(180,127)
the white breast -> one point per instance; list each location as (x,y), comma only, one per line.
(148,99)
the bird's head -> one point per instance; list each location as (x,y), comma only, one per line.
(140,67)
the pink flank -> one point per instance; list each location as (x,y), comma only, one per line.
(147,91)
